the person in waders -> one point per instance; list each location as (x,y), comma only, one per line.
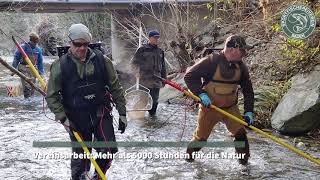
(147,62)
(216,79)
(81,87)
(35,55)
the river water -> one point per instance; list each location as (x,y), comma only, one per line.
(24,121)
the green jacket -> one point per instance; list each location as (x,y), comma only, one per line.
(53,97)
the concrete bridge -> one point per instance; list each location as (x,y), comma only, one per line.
(60,6)
(127,16)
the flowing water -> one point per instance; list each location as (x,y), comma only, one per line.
(24,121)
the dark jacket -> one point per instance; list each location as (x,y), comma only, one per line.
(201,74)
(147,61)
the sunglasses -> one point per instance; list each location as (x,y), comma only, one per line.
(80,44)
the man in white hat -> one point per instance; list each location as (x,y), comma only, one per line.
(79,94)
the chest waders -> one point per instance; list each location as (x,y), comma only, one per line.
(223,91)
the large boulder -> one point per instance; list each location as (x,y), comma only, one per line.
(299,110)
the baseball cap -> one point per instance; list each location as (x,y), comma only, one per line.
(235,41)
(34,35)
(154,33)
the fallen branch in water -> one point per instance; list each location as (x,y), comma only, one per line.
(25,78)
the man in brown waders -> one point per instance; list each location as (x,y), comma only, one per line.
(216,79)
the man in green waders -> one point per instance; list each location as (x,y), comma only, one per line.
(216,80)
(80,86)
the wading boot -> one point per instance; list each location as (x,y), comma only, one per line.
(192,147)
(242,137)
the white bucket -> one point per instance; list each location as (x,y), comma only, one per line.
(14,88)
(134,115)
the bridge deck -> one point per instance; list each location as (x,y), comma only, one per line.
(61,6)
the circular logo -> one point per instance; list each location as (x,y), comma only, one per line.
(298,22)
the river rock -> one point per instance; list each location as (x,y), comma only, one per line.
(301,145)
(299,110)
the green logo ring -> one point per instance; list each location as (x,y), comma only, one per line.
(298,22)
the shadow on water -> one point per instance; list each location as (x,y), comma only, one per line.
(23,121)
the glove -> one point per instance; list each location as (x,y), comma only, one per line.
(248,117)
(205,100)
(122,124)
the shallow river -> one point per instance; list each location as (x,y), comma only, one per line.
(24,121)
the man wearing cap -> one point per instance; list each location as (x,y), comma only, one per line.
(35,55)
(80,87)
(216,79)
(147,62)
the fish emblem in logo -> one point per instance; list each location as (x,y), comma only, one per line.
(299,20)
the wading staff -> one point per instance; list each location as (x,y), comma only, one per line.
(21,75)
(44,86)
(190,94)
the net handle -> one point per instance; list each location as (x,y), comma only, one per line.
(137,83)
(140,44)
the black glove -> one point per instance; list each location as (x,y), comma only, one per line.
(122,124)
(62,120)
(65,122)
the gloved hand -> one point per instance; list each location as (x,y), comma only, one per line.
(66,124)
(248,117)
(122,124)
(205,100)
